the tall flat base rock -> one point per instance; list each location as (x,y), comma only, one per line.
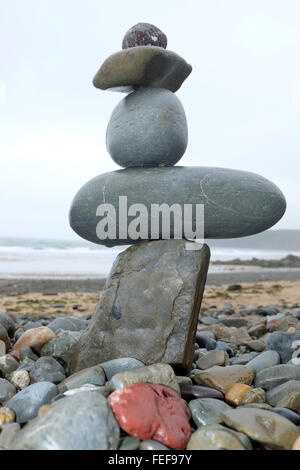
(149,308)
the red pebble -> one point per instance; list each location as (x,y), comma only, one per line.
(15,355)
(149,411)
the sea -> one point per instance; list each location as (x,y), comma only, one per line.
(53,258)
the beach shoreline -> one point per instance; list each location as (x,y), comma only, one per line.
(65,283)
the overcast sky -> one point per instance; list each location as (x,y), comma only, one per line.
(242,99)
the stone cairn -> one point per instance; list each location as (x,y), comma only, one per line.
(150,305)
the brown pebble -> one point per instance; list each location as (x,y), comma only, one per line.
(35,338)
(236,393)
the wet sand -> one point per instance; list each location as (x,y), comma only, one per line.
(78,297)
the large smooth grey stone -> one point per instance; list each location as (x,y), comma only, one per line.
(143,66)
(149,308)
(147,128)
(79,422)
(264,361)
(120,365)
(285,344)
(27,402)
(236,203)
(276,375)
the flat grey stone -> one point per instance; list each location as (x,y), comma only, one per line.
(284,343)
(121,364)
(79,422)
(264,361)
(92,375)
(277,375)
(288,414)
(286,395)
(161,374)
(27,402)
(149,308)
(147,128)
(7,391)
(259,205)
(263,426)
(207,411)
(143,66)
(213,358)
(47,369)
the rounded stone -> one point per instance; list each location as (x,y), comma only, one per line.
(35,338)
(47,369)
(27,402)
(144,34)
(80,422)
(236,203)
(121,364)
(264,360)
(148,411)
(20,379)
(147,128)
(236,393)
(7,391)
(206,411)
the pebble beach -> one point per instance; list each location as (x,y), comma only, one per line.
(161,345)
(242,376)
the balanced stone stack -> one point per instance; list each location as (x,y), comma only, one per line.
(149,308)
